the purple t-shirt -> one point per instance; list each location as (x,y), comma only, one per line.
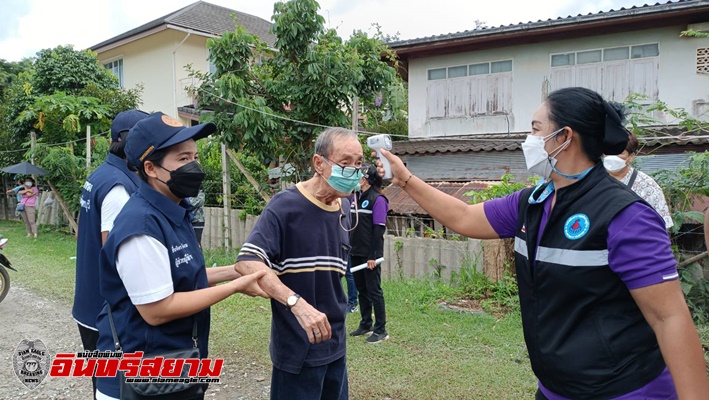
(638,252)
(379,211)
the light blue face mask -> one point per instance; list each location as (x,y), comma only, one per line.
(343,179)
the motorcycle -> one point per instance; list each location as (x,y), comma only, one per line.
(4,266)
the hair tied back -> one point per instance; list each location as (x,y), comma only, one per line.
(615,136)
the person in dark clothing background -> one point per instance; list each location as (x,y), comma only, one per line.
(367,240)
(197,214)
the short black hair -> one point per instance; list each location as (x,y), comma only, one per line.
(117,148)
(372,176)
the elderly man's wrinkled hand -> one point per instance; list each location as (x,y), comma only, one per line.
(313,322)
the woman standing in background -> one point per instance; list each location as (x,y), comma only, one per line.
(27,206)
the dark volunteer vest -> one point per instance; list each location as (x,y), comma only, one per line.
(585,334)
(150,213)
(361,237)
(87,299)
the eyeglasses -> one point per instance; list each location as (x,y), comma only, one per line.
(348,171)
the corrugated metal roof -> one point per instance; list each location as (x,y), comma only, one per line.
(206,18)
(401,203)
(473,143)
(560,21)
(667,135)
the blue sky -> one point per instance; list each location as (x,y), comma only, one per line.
(27,26)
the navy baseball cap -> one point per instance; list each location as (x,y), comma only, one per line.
(124,121)
(159,131)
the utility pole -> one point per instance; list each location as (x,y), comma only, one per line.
(88,148)
(355,114)
(33,142)
(226,192)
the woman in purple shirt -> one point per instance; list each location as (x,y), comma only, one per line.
(603,312)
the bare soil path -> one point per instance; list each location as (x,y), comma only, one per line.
(25,315)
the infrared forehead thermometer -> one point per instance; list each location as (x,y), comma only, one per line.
(376,143)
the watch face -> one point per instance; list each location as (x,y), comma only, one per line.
(292,300)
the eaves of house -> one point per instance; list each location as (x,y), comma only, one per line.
(665,140)
(200,18)
(677,12)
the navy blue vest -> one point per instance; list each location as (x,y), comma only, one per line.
(150,213)
(87,299)
(586,336)
(361,236)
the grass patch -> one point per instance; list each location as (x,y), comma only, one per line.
(43,265)
(432,353)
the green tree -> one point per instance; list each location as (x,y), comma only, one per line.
(258,93)
(62,93)
(9,72)
(683,185)
(243,195)
(64,69)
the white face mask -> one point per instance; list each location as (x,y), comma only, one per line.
(28,184)
(613,163)
(536,157)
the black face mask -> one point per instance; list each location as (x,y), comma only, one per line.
(185,181)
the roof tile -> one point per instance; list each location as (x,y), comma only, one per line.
(206,18)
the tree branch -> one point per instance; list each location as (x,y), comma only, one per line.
(248,175)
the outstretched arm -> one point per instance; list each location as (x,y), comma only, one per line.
(183,304)
(465,219)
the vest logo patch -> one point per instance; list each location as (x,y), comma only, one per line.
(365,203)
(577,226)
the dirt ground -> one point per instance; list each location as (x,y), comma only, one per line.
(25,315)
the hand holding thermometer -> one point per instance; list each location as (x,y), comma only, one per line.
(376,143)
(363,266)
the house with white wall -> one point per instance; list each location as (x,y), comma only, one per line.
(472,93)
(155,55)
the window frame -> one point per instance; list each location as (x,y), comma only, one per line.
(120,75)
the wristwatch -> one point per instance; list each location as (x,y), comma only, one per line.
(291,300)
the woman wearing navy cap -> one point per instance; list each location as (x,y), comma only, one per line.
(603,312)
(152,271)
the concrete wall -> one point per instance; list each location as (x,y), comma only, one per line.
(679,85)
(410,258)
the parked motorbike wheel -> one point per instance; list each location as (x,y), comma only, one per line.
(4,283)
(4,275)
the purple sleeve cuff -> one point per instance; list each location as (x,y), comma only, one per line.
(502,214)
(379,211)
(639,247)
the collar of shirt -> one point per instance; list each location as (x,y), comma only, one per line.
(626,177)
